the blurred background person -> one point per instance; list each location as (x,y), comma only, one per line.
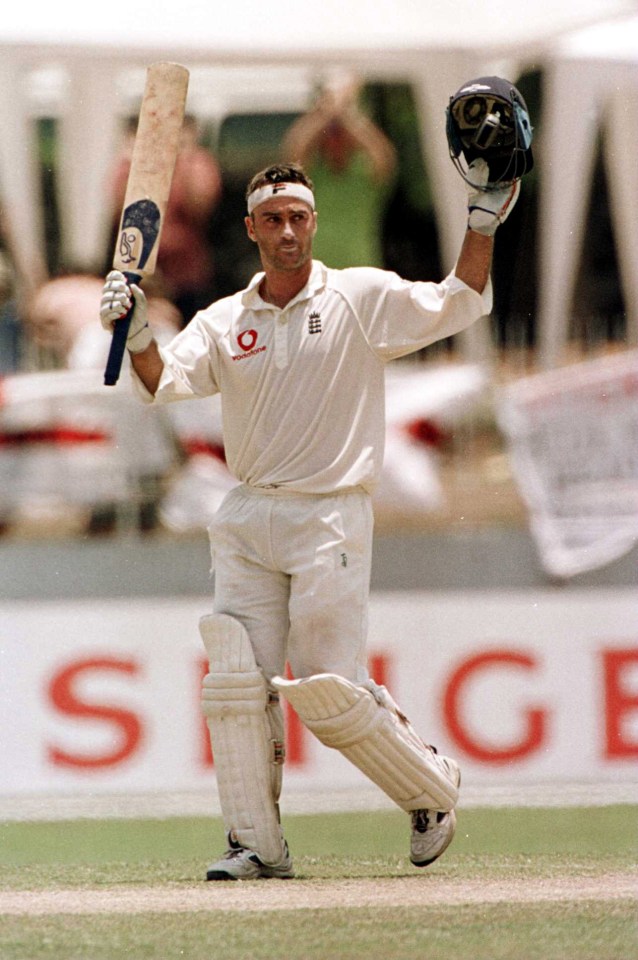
(185,263)
(11,346)
(59,321)
(80,451)
(352,165)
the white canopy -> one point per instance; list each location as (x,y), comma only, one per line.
(86,63)
(592,85)
(244,29)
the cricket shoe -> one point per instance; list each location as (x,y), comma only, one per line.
(433,830)
(238,863)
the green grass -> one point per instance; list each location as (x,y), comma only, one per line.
(501,844)
(50,847)
(498,932)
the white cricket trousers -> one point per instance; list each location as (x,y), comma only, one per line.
(294,569)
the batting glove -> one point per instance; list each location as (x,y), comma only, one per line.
(117,299)
(488,209)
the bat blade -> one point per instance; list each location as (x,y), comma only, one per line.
(147,190)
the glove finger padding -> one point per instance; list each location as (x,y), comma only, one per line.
(488,209)
(117,299)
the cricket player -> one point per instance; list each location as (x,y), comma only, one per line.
(298,358)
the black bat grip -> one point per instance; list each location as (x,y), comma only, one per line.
(118,341)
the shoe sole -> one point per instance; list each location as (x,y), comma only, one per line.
(224,875)
(219,875)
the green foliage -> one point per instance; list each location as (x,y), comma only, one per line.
(249,141)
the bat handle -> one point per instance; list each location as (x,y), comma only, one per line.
(118,341)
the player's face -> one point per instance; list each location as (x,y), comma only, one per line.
(283,228)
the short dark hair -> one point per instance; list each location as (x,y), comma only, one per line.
(280,173)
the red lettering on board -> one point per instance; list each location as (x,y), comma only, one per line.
(620,703)
(456,692)
(126,726)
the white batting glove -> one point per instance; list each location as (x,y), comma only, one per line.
(488,209)
(117,299)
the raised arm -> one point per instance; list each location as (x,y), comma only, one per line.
(487,210)
(148,365)
(338,104)
(475,260)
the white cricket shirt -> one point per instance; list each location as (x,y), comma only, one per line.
(302,388)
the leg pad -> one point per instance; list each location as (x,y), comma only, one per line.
(238,711)
(365,725)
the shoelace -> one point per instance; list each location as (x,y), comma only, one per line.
(233,853)
(420,821)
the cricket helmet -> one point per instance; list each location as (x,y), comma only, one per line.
(488,118)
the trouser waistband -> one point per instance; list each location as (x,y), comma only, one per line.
(275,490)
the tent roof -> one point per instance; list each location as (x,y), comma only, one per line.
(615,41)
(248,30)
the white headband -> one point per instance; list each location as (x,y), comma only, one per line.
(297,190)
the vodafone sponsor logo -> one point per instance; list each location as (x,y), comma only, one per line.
(247,340)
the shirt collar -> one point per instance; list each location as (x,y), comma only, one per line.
(317,279)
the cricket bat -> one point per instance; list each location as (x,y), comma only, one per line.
(154,154)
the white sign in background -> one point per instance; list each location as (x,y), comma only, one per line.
(572,438)
(102,696)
